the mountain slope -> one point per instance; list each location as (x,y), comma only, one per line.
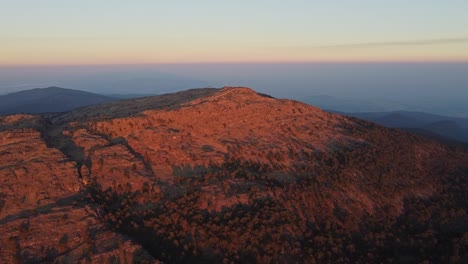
(44,214)
(229,175)
(51,99)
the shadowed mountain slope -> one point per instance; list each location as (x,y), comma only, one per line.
(135,106)
(227,175)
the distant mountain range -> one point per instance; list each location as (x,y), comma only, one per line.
(344,104)
(51,99)
(416,119)
(448,129)
(57,99)
(351,105)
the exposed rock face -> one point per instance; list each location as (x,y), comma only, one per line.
(225,175)
(31,174)
(44,216)
(110,163)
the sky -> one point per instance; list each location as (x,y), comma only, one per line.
(85,32)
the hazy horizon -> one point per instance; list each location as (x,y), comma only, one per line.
(395,55)
(438,88)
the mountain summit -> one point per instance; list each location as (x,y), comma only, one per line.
(225,175)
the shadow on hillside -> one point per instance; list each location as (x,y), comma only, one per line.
(132,107)
(54,138)
(71,200)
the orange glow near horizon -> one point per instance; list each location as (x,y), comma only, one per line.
(74,61)
(125,52)
(155,32)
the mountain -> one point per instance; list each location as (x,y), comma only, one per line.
(226,175)
(51,99)
(452,129)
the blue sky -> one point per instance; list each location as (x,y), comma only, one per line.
(119,32)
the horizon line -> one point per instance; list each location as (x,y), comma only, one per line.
(454,61)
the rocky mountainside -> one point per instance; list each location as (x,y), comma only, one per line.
(226,175)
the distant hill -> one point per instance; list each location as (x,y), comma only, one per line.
(51,99)
(435,126)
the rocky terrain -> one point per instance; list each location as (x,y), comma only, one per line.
(44,215)
(226,176)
